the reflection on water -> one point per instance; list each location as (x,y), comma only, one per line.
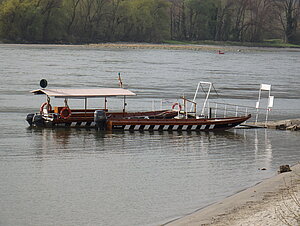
(70,138)
(79,177)
(267,148)
(156,176)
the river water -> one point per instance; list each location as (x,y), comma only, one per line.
(84,177)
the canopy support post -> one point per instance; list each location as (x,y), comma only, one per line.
(124,104)
(85,105)
(66,103)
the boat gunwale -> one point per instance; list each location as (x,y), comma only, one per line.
(190,121)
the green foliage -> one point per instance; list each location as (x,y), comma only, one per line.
(202,16)
(279,43)
(30,21)
(19,20)
(86,21)
(145,20)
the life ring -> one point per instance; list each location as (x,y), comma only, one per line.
(175,104)
(48,108)
(65,113)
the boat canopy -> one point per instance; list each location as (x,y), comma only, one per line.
(84,93)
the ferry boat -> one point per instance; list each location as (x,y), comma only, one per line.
(177,118)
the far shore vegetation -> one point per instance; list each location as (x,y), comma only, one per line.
(275,43)
(259,23)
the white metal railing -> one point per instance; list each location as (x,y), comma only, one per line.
(214,109)
(219,109)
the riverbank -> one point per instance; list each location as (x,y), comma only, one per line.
(271,202)
(194,47)
(288,124)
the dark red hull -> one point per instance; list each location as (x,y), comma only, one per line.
(175,124)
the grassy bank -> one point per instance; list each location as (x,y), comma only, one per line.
(274,43)
(211,46)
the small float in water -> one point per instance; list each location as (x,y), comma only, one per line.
(177,118)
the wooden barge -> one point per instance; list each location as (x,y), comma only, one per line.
(104,119)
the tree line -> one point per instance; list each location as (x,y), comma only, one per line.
(92,21)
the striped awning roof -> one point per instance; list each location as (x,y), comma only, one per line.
(84,93)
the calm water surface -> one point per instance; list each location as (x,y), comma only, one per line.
(81,177)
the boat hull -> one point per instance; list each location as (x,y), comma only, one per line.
(175,124)
(148,124)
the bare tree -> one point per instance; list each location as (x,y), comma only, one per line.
(239,23)
(223,20)
(91,13)
(47,7)
(177,19)
(288,12)
(259,11)
(74,5)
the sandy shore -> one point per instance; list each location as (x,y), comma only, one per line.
(271,202)
(166,46)
(194,47)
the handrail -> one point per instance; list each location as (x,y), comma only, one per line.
(240,105)
(207,95)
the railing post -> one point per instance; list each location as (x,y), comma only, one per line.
(216,110)
(208,108)
(267,114)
